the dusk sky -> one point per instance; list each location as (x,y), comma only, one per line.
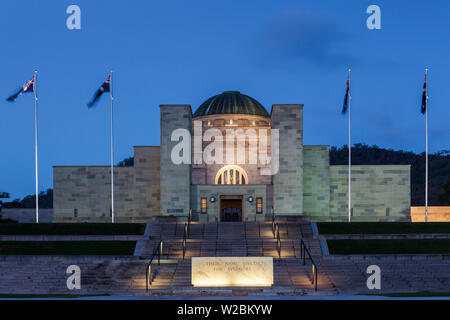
(183,52)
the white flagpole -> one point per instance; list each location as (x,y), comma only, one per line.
(112,146)
(426,147)
(36,144)
(349,150)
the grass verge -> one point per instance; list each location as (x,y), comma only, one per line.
(51,296)
(382,227)
(389,246)
(72,228)
(423,294)
(77,248)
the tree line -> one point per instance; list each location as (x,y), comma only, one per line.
(45,201)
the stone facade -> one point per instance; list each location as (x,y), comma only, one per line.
(176,181)
(239,133)
(245,191)
(316,182)
(156,187)
(287,183)
(146,186)
(84,194)
(379,193)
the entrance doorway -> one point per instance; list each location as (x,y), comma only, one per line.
(231,209)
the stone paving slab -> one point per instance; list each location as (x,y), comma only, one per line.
(72,238)
(387,236)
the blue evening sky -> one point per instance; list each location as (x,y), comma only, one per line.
(182,52)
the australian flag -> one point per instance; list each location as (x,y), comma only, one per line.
(27,87)
(424,96)
(104,88)
(347,92)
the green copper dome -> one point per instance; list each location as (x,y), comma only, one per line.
(231,102)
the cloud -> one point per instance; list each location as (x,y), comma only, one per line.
(302,36)
(385,129)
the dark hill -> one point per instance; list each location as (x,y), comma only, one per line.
(439,169)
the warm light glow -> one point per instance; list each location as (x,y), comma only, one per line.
(232,271)
(231,174)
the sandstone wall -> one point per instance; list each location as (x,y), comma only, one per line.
(83,194)
(146,183)
(316,182)
(206,173)
(175,178)
(288,182)
(435,214)
(249,209)
(379,192)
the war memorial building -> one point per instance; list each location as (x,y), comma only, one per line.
(247,184)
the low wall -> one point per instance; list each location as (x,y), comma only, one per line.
(435,214)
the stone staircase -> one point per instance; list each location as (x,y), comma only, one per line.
(399,273)
(47,275)
(338,274)
(237,239)
(125,275)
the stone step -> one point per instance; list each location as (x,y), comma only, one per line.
(125,276)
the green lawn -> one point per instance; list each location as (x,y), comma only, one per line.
(382,227)
(72,228)
(389,246)
(51,296)
(113,248)
(415,294)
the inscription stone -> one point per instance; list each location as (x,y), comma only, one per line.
(232,271)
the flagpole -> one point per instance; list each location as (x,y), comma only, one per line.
(426,147)
(349,149)
(112,145)
(36,144)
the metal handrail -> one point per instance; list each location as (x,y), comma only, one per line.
(303,251)
(278,240)
(245,237)
(276,235)
(272,212)
(189,219)
(185,236)
(274,227)
(273,222)
(148,271)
